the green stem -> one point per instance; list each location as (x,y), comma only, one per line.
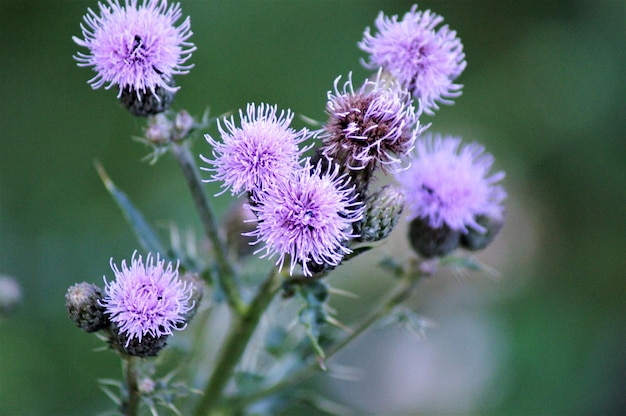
(131,405)
(401,294)
(236,344)
(226,274)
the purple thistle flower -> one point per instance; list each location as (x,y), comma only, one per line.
(307,218)
(262,151)
(448,185)
(374,126)
(423,59)
(147,300)
(136,47)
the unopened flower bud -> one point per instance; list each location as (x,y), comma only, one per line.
(428,267)
(475,240)
(147,102)
(10,295)
(159,130)
(183,123)
(432,242)
(383,209)
(146,385)
(82,301)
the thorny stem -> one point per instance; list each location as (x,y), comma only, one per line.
(237,341)
(226,274)
(131,404)
(400,295)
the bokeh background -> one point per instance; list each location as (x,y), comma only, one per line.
(544,91)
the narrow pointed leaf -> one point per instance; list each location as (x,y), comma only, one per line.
(148,239)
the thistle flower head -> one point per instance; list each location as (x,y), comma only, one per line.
(374,126)
(307,218)
(424,59)
(448,185)
(146,300)
(259,153)
(137,47)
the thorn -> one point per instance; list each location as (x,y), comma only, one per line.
(342,292)
(321,363)
(338,324)
(103,174)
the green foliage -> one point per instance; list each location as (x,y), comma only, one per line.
(143,231)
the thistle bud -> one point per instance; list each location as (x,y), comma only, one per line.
(159,130)
(432,242)
(183,123)
(146,385)
(475,240)
(382,212)
(82,301)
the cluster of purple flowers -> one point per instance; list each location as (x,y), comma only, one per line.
(309,213)
(308,210)
(450,197)
(304,212)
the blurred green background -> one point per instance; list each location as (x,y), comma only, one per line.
(544,91)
